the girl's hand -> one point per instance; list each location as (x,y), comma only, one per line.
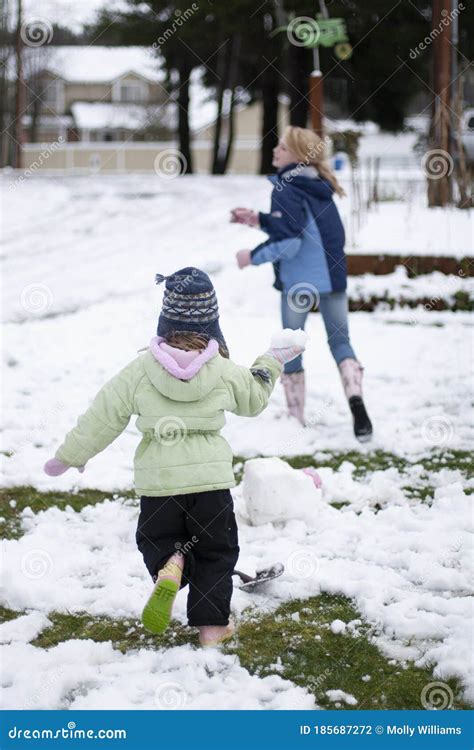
(285,354)
(54,468)
(244,216)
(243,258)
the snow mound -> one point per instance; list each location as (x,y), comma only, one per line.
(276,493)
(288,337)
(338,626)
(340,696)
(81,674)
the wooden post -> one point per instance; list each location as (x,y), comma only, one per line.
(316,98)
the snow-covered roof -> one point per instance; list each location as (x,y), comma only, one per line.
(96,115)
(96,64)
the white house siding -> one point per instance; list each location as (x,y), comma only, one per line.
(129,157)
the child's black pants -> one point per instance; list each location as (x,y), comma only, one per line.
(202,526)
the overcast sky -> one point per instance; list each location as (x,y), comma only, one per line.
(70,13)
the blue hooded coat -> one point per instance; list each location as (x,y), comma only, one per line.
(305,233)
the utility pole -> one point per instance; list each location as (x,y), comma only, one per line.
(316,84)
(20,91)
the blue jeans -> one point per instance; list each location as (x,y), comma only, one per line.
(333,308)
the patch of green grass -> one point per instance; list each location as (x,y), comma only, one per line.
(125,634)
(14,500)
(8,614)
(297,643)
(378,460)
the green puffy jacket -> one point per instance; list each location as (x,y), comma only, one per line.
(181,449)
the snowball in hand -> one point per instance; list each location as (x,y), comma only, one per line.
(287,337)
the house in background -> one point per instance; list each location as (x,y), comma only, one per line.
(93,94)
(105,109)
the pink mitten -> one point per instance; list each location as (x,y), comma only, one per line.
(54,467)
(318,482)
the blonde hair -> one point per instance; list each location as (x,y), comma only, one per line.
(191,342)
(310,150)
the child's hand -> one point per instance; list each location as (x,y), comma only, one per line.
(285,354)
(244,216)
(54,468)
(243,258)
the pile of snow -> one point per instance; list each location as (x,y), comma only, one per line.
(339,696)
(83,674)
(337,627)
(432,286)
(274,492)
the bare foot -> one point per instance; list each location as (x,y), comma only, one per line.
(213,635)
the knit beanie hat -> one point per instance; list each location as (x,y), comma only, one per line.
(189,305)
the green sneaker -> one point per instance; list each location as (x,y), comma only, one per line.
(156,614)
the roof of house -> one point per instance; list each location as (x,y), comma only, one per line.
(91,64)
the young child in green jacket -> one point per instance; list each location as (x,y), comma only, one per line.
(180,388)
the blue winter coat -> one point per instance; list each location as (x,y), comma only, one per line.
(306,235)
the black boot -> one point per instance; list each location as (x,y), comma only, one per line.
(362,424)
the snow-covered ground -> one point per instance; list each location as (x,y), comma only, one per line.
(79,259)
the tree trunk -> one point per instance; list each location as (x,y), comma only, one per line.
(439,161)
(269,140)
(183,118)
(20,91)
(299,60)
(233,77)
(223,72)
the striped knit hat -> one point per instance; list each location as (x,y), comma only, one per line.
(189,305)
